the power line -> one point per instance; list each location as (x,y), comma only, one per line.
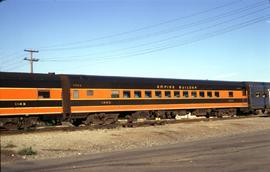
(171,30)
(203,37)
(179,36)
(10,55)
(17,66)
(46,48)
(7,64)
(12,60)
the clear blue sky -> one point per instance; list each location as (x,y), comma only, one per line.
(188,39)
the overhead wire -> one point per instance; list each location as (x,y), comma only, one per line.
(179,36)
(10,55)
(207,20)
(165,31)
(167,46)
(13,66)
(6,63)
(204,37)
(47,48)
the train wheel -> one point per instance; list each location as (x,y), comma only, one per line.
(76,122)
(258,112)
(10,126)
(28,122)
(89,120)
(110,119)
(130,121)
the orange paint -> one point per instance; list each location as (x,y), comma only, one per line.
(154,107)
(27,93)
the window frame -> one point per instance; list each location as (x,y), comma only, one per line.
(168,96)
(174,95)
(201,94)
(209,94)
(186,94)
(44,96)
(194,94)
(89,91)
(76,94)
(129,94)
(145,94)
(159,94)
(257,94)
(216,94)
(230,94)
(115,95)
(135,93)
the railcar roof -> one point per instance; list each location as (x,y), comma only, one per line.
(14,79)
(97,78)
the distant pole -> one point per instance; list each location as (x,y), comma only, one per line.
(31,59)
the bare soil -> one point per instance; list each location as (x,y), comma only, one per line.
(75,143)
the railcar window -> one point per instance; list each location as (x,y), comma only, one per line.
(90,92)
(43,94)
(158,94)
(209,94)
(194,94)
(230,94)
(167,94)
(216,94)
(185,93)
(148,94)
(115,94)
(75,94)
(257,94)
(137,94)
(126,94)
(202,94)
(176,94)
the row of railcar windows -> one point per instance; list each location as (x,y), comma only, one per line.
(147,94)
(167,94)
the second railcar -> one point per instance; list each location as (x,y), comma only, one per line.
(127,95)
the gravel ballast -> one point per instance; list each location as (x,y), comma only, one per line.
(75,143)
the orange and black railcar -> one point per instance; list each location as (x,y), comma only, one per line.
(30,98)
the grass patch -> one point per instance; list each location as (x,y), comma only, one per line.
(27,151)
(10,145)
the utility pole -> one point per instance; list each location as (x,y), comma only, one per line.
(31,59)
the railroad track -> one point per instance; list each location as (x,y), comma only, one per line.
(139,123)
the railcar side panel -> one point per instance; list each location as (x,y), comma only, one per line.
(87,99)
(259,95)
(30,94)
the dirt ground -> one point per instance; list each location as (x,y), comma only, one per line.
(62,144)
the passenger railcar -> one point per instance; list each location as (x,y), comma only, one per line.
(30,98)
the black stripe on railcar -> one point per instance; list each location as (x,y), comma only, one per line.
(152,102)
(26,80)
(30,103)
(112,82)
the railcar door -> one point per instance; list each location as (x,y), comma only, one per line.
(257,96)
(267,95)
(65,96)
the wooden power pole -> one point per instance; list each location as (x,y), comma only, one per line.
(31,59)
